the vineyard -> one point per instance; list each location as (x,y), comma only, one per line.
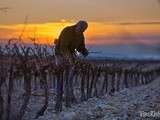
(26,70)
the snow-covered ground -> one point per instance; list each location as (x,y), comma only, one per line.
(127,104)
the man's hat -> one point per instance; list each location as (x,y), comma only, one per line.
(82,23)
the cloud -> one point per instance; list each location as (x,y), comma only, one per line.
(4,9)
(125,39)
(139,23)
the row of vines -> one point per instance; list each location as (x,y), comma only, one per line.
(32,67)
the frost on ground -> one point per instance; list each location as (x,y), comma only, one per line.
(124,105)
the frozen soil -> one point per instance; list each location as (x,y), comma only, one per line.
(126,104)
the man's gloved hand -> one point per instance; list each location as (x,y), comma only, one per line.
(85,53)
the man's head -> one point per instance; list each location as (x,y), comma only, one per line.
(81,26)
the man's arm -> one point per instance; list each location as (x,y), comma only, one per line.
(82,49)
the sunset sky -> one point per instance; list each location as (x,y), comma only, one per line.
(110,21)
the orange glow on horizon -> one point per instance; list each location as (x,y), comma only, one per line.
(46,33)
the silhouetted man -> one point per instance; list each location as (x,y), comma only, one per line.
(71,40)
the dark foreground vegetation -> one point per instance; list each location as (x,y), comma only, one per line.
(33,68)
